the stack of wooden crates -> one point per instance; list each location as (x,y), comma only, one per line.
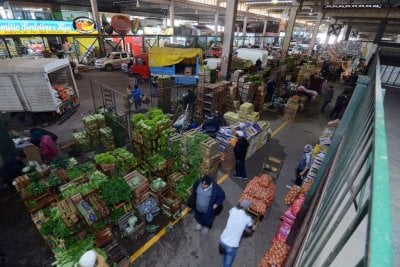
(212,97)
(164,93)
(210,155)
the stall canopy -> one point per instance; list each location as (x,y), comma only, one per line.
(166,56)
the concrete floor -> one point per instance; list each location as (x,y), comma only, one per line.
(184,246)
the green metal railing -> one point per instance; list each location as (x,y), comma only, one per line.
(349,215)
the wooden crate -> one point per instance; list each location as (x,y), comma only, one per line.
(140,198)
(143,183)
(103,238)
(209,147)
(171,200)
(139,227)
(158,194)
(115,252)
(68,212)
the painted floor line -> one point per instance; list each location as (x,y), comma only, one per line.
(184,213)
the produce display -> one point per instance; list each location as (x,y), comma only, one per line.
(158,184)
(79,171)
(115,190)
(125,160)
(276,255)
(292,195)
(260,191)
(105,158)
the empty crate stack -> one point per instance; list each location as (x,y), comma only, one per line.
(210,155)
(164,93)
(212,97)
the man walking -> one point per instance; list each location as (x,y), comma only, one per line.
(327,94)
(341,101)
(304,164)
(238,222)
(240,151)
(137,95)
(206,198)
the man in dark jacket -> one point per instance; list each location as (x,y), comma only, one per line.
(341,102)
(240,151)
(304,164)
(206,198)
(327,94)
(211,126)
(12,168)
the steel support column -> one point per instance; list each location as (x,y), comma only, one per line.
(347,34)
(245,21)
(172,14)
(315,32)
(289,29)
(216,18)
(96,18)
(381,31)
(230,16)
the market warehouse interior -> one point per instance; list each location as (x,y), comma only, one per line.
(199,133)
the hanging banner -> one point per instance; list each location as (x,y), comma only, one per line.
(47,27)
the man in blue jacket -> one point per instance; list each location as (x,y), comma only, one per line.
(136,95)
(206,199)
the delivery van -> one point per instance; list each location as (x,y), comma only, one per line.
(253,55)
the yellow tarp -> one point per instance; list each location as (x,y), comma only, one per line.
(166,56)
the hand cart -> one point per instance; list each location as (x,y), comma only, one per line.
(272,166)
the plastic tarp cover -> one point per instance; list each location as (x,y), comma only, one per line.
(166,56)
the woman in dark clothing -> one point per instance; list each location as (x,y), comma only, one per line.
(206,199)
(240,151)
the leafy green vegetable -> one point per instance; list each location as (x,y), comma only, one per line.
(115,215)
(115,190)
(73,252)
(54,180)
(32,204)
(55,226)
(34,176)
(60,162)
(36,188)
(105,158)
(69,190)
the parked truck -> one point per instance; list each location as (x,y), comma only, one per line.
(31,87)
(182,64)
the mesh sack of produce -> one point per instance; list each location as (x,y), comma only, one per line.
(305,187)
(277,254)
(256,191)
(292,195)
(282,232)
(297,204)
(263,180)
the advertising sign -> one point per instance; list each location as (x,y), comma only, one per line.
(47,27)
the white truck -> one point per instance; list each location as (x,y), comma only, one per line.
(31,87)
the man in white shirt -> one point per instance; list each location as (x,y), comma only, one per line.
(237,223)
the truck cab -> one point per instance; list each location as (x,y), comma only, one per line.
(140,68)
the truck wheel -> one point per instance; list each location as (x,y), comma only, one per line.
(138,78)
(24,119)
(109,67)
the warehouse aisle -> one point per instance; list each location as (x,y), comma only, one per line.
(185,246)
(392,111)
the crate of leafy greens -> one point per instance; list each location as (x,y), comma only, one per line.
(106,161)
(158,189)
(115,191)
(106,134)
(174,178)
(100,120)
(126,162)
(82,140)
(132,225)
(137,182)
(80,171)
(90,122)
